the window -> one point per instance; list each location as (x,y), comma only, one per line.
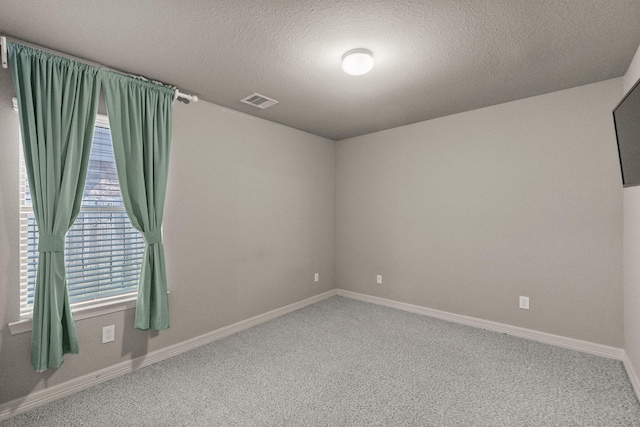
(103,252)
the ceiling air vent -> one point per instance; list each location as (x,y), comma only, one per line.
(259,101)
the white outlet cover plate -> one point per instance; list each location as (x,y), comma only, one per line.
(379,279)
(524,303)
(108,334)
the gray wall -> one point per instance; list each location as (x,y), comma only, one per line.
(467,212)
(632,251)
(250,218)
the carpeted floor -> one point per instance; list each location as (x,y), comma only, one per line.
(343,362)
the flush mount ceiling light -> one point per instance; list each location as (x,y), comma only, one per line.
(357,62)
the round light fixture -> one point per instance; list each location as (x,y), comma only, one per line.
(357,62)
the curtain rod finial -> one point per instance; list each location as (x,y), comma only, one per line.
(190,98)
(3,42)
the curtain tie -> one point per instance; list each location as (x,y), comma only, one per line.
(152,237)
(50,242)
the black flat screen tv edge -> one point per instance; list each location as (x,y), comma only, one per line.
(626,119)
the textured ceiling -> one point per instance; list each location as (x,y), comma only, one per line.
(433,57)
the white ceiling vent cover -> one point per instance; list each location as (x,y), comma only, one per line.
(259,101)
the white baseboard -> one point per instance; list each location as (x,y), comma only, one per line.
(47,395)
(543,337)
(633,376)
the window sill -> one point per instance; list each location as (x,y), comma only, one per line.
(84,311)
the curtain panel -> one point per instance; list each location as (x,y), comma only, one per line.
(57,105)
(140,117)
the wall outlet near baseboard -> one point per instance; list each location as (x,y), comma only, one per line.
(108,334)
(316,278)
(524,303)
(379,279)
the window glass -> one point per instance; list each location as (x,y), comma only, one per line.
(103,251)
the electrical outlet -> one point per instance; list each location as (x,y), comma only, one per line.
(379,279)
(108,334)
(524,303)
(316,277)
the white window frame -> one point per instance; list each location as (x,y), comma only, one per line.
(81,310)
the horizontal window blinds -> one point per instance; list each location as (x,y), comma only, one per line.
(103,252)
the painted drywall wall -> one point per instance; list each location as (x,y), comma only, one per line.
(632,249)
(633,73)
(249,219)
(466,213)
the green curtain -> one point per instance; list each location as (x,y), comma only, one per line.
(140,119)
(57,105)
